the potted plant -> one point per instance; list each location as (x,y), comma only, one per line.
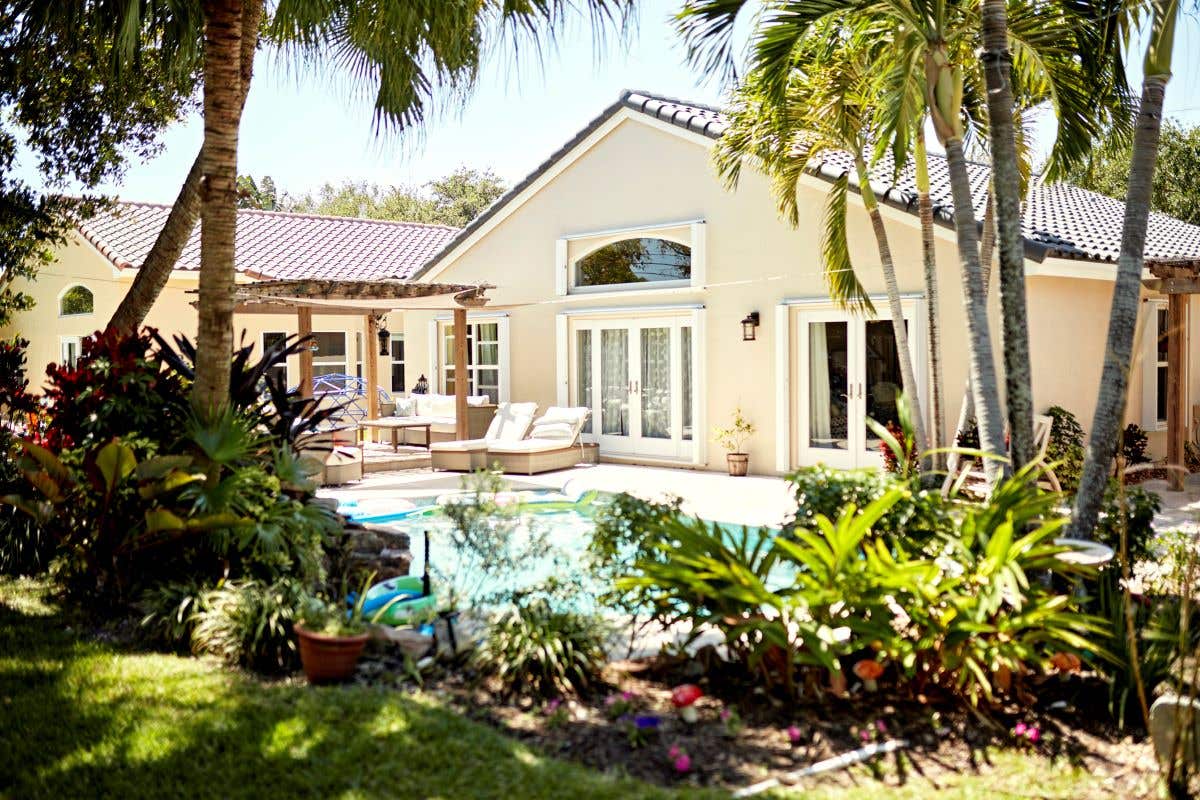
(332,637)
(733,439)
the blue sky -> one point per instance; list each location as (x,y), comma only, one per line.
(303,130)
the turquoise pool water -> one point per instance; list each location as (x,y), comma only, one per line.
(552,528)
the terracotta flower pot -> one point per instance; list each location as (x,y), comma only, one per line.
(329,658)
(739,463)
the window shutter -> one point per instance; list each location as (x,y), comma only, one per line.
(560,267)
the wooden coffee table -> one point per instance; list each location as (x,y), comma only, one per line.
(395,425)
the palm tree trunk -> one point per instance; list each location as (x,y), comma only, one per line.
(984,384)
(987,243)
(899,329)
(155,271)
(218,214)
(937,411)
(1122,322)
(1006,183)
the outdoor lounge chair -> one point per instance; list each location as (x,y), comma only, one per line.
(553,443)
(964,470)
(510,424)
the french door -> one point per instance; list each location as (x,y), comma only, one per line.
(636,377)
(849,372)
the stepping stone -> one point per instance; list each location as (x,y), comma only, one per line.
(1168,713)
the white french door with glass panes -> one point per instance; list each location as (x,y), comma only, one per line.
(849,371)
(637,378)
(484,358)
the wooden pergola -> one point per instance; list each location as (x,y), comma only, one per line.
(372,300)
(1177,279)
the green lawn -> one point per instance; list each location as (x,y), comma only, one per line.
(80,718)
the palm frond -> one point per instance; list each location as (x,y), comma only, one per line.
(844,286)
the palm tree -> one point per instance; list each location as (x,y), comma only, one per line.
(827,108)
(155,270)
(412,51)
(929,271)
(1122,323)
(945,35)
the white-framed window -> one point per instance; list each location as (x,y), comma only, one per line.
(639,259)
(487,356)
(76,301)
(70,348)
(330,355)
(483,359)
(270,339)
(397,357)
(1154,365)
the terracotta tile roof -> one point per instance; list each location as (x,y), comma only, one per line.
(278,245)
(1060,220)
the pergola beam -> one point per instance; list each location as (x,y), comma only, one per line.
(304,327)
(461,429)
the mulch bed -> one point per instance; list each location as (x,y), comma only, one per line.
(944,738)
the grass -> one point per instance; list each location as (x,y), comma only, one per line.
(82,718)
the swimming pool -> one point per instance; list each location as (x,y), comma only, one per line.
(551,529)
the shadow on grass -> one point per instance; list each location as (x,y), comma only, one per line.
(82,719)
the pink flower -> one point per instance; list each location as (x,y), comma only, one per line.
(793,734)
(880,726)
(674,752)
(1033,734)
(627,696)
(1019,729)
(683,763)
(865,735)
(726,714)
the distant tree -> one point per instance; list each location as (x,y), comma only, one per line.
(454,200)
(79,125)
(1176,186)
(260,194)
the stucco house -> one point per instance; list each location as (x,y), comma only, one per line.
(630,281)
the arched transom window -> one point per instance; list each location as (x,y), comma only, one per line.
(640,260)
(76,300)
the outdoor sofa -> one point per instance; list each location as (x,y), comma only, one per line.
(439,411)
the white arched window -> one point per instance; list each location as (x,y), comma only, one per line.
(76,300)
(637,260)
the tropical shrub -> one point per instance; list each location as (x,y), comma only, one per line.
(626,531)
(24,547)
(1131,510)
(1133,445)
(169,612)
(118,388)
(249,623)
(822,491)
(537,649)
(1066,449)
(958,609)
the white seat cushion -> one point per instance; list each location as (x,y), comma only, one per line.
(460,446)
(530,446)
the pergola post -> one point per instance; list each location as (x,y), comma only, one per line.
(371,357)
(304,327)
(1176,364)
(460,374)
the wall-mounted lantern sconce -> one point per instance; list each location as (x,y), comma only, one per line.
(385,338)
(421,386)
(749,325)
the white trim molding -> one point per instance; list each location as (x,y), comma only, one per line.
(783,388)
(562,374)
(631,310)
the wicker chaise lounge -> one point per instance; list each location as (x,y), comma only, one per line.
(510,424)
(553,443)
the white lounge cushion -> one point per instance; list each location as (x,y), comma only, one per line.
(569,416)
(511,422)
(553,430)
